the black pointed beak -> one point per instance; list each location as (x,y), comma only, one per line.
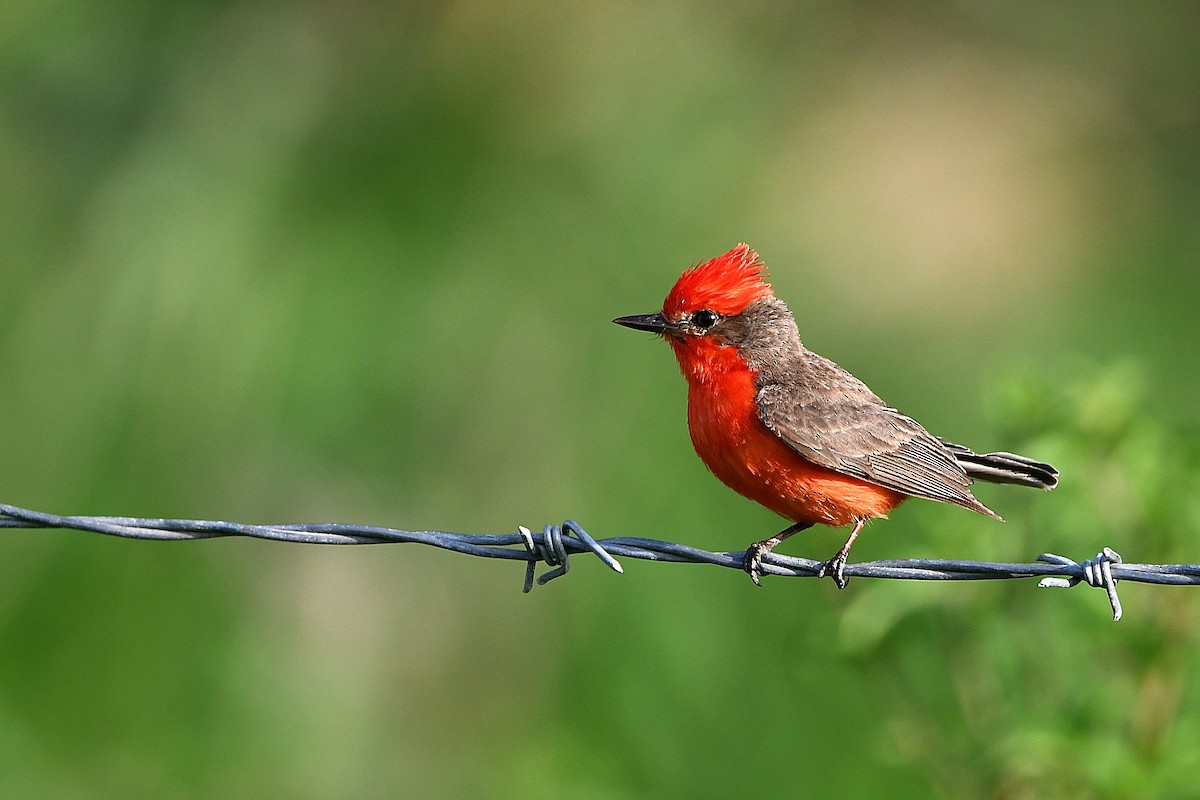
(655,323)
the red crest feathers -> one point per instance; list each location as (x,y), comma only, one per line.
(725,284)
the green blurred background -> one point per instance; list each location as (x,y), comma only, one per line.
(356,262)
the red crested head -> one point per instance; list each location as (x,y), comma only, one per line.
(725,284)
(704,319)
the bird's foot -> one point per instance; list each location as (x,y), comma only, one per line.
(752,560)
(836,568)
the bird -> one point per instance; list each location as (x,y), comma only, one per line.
(794,431)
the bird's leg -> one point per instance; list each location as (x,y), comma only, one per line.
(752,561)
(836,566)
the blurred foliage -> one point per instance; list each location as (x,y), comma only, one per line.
(1020,696)
(356,261)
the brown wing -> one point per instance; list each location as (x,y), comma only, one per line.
(832,419)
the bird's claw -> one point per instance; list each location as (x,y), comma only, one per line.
(836,569)
(752,561)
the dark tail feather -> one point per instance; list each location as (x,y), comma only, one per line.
(1004,467)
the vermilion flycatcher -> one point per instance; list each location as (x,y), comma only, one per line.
(792,430)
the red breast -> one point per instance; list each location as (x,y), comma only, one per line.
(733,442)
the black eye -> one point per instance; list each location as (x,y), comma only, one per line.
(705,319)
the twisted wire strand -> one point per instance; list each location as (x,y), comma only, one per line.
(554,544)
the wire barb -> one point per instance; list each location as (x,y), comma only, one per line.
(1095,572)
(555,544)
(551,549)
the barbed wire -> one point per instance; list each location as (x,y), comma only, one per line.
(554,544)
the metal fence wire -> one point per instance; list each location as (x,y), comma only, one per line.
(555,544)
